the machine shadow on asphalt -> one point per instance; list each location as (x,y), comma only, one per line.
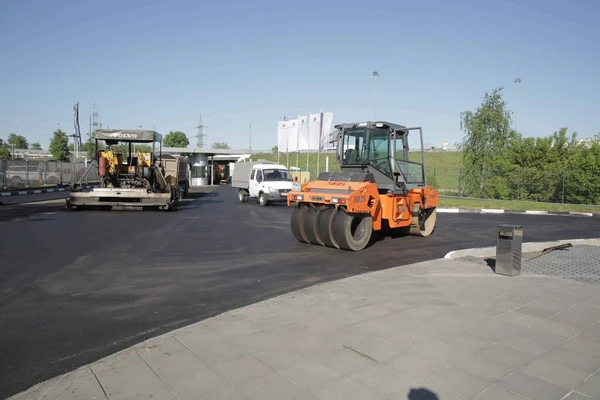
(192,205)
(199,195)
(389,234)
(271,205)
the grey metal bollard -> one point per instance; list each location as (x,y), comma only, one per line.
(509,244)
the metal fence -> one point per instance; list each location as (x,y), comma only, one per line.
(22,174)
(548,184)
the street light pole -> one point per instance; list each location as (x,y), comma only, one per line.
(517,81)
(91,114)
(90,131)
(375,75)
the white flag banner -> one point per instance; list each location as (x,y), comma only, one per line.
(313,128)
(327,123)
(292,134)
(303,138)
(282,136)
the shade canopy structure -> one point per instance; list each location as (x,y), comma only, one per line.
(128,135)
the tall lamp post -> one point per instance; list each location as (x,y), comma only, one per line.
(375,75)
(90,131)
(91,114)
(517,81)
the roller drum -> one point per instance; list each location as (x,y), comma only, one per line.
(423,224)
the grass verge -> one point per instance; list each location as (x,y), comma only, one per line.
(515,205)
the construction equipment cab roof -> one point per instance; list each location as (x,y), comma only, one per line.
(128,135)
(372,124)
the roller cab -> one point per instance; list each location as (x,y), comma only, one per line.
(377,188)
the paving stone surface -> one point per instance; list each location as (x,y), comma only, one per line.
(581,263)
(438,330)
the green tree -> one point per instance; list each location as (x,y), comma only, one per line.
(220,145)
(36,146)
(176,139)
(59,146)
(582,185)
(541,164)
(89,146)
(123,148)
(275,149)
(4,151)
(487,137)
(19,141)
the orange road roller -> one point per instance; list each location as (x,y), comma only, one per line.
(378,188)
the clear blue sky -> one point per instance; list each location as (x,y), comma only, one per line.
(162,63)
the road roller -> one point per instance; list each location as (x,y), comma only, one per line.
(377,189)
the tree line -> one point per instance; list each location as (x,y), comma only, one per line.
(62,150)
(15,141)
(500,163)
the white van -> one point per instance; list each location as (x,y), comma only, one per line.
(264,180)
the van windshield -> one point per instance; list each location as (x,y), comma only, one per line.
(277,175)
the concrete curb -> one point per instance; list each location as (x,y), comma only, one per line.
(32,191)
(526,248)
(502,211)
(39,191)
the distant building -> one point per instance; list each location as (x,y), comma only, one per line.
(29,154)
(588,141)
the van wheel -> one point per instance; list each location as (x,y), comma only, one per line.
(241,196)
(262,200)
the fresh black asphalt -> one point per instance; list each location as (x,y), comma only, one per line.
(78,286)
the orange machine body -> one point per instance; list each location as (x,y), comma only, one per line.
(364,198)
